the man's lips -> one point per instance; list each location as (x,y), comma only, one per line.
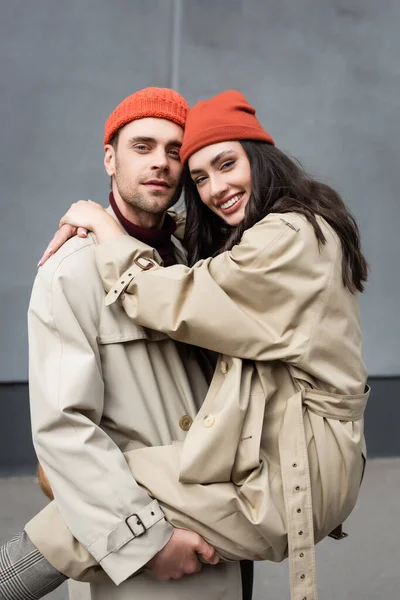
(157,183)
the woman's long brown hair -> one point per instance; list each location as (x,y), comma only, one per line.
(279,185)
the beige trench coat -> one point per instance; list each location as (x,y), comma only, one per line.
(280,434)
(97,382)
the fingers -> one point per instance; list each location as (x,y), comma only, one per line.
(72,208)
(181,556)
(60,237)
(206,551)
(189,567)
(64,220)
(46,254)
(193,566)
(82,232)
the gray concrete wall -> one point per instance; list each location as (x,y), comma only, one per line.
(324,76)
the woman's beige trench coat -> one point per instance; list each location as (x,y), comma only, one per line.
(280,433)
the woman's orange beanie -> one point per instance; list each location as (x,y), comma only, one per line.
(161,103)
(227,116)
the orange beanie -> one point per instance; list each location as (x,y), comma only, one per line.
(227,116)
(161,103)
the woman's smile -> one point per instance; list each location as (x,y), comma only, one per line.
(232,204)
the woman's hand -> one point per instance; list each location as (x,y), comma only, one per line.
(61,236)
(93,217)
(83,216)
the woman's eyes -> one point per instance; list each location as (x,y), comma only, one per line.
(227,164)
(141,147)
(224,167)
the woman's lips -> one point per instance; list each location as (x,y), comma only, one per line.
(233,207)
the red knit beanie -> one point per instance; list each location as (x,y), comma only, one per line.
(227,116)
(161,103)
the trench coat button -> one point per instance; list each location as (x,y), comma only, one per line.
(224,367)
(208,421)
(185,422)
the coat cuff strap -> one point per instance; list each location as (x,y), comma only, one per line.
(139,265)
(131,528)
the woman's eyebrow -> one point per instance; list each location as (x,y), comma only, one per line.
(213,161)
(219,156)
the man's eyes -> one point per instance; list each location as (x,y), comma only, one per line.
(143,148)
(174,152)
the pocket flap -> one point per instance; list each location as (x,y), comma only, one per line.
(116,328)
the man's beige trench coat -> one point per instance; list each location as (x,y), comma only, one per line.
(97,382)
(280,434)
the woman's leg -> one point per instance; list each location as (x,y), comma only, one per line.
(41,558)
(47,553)
(49,533)
(24,572)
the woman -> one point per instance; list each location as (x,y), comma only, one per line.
(276,267)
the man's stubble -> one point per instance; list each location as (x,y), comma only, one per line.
(153,202)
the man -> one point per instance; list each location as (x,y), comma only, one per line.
(98,381)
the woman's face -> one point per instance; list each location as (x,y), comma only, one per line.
(222,176)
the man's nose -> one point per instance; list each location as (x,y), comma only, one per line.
(160,160)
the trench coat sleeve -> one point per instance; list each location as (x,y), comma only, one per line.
(259,301)
(92,483)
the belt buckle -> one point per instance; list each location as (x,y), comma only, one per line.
(144,267)
(138,522)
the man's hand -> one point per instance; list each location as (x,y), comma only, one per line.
(181,556)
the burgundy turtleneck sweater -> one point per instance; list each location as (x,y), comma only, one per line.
(159,239)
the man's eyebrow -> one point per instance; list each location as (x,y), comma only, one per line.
(151,140)
(174,143)
(213,161)
(142,138)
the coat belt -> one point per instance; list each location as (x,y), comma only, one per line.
(296,479)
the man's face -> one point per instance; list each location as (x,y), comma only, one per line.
(145,164)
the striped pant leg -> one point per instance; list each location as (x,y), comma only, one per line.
(24,572)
